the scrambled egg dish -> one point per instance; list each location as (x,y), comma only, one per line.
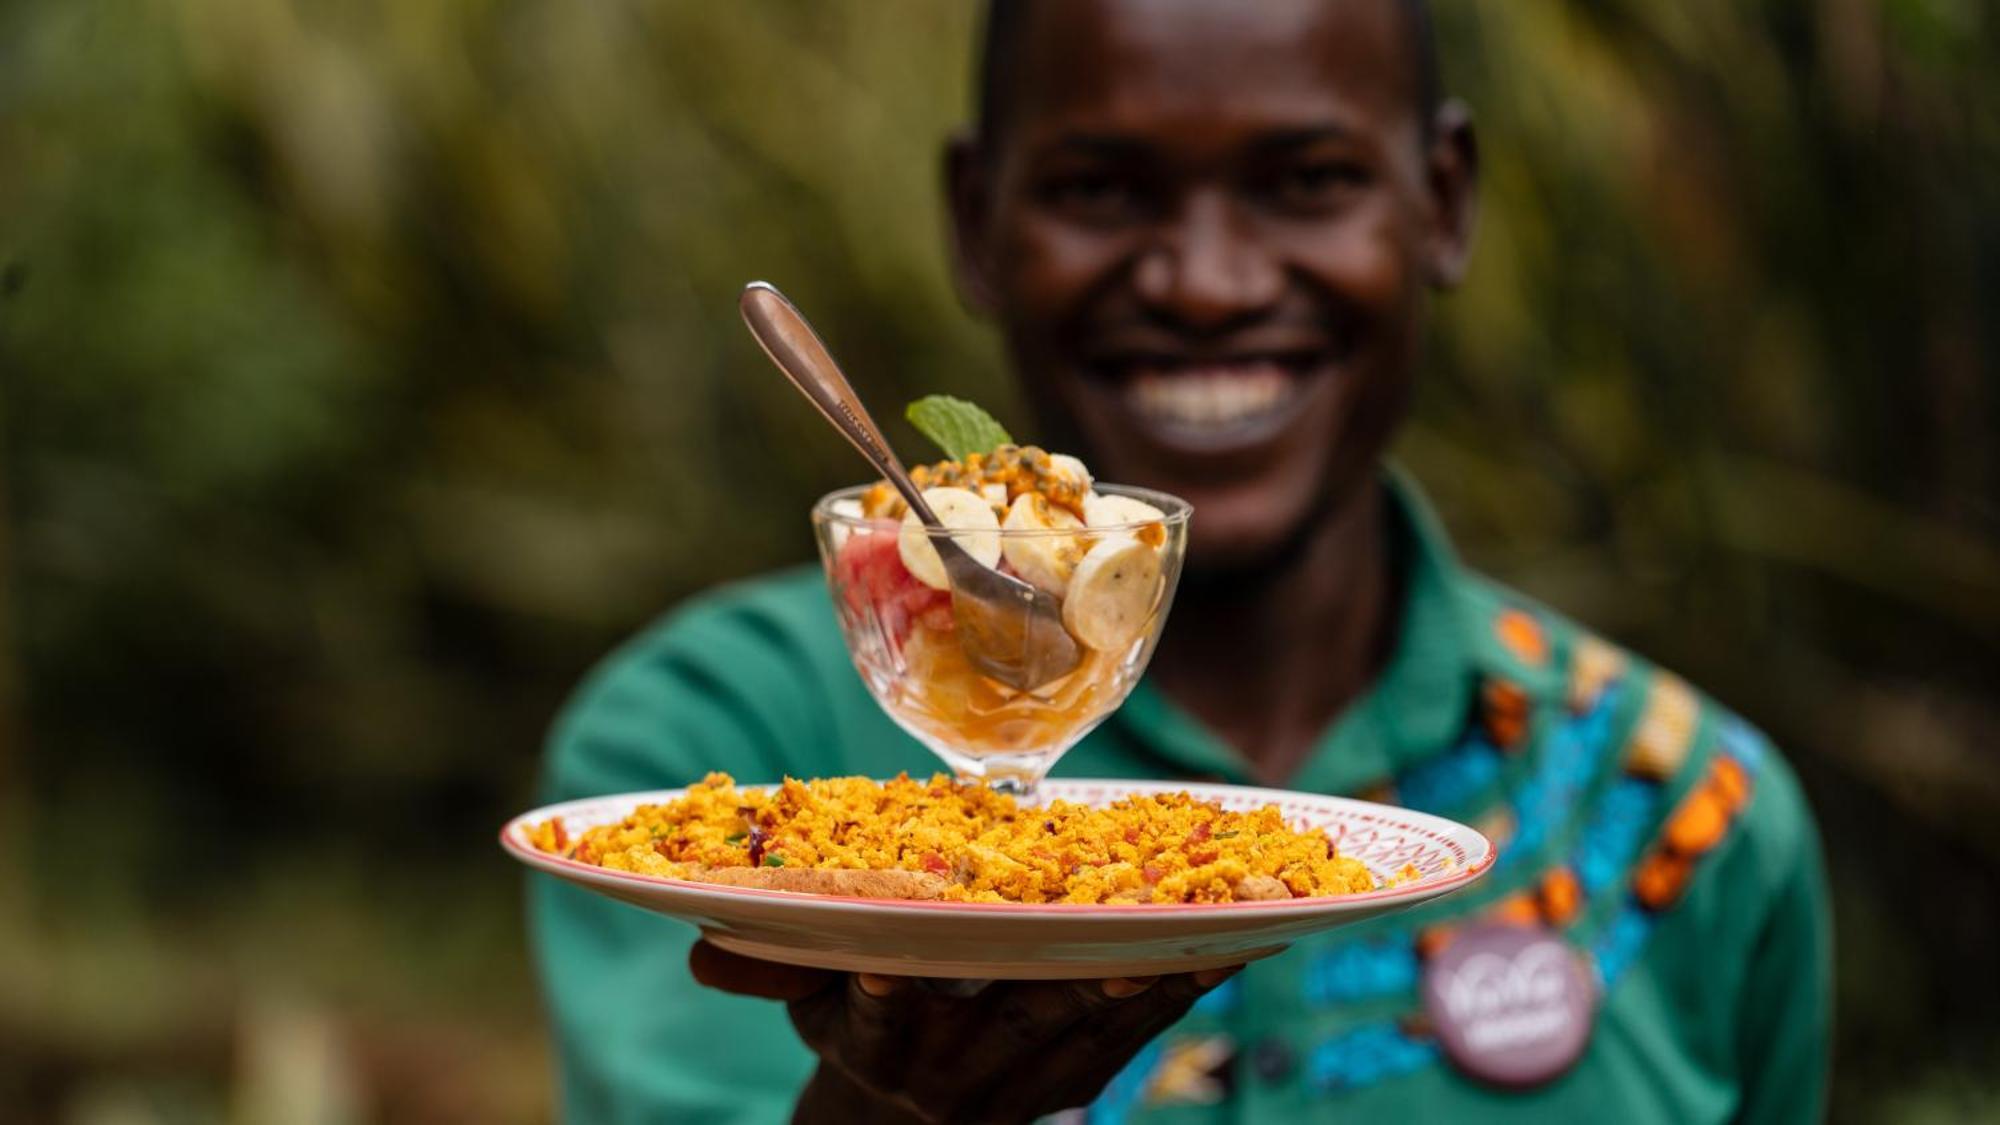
(940,839)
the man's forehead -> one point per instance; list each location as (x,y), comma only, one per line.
(1114,63)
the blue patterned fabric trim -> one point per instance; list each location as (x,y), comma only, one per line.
(1742,742)
(1366,1055)
(1572,755)
(1452,778)
(1223,999)
(1362,970)
(1618,944)
(1624,936)
(1609,844)
(1115,1104)
(1615,833)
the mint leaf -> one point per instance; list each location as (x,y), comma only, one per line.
(956,426)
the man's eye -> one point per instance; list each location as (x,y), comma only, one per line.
(1092,196)
(1316,184)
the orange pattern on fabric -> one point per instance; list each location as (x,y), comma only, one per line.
(1661,878)
(1381,792)
(1431,940)
(1517,909)
(1561,896)
(1694,828)
(1698,823)
(1520,634)
(1731,781)
(1504,712)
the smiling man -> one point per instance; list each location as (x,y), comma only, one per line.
(1208,232)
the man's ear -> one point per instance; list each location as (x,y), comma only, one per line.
(968,192)
(1452,179)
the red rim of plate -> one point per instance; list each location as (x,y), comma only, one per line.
(536,858)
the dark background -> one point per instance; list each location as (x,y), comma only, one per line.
(368,369)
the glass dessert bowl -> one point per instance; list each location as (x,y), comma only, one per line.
(1112,555)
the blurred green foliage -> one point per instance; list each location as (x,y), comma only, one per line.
(367,369)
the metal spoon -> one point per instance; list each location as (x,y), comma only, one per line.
(1010,630)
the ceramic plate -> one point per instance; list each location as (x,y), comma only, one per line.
(1009,941)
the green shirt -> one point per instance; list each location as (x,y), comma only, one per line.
(1711,947)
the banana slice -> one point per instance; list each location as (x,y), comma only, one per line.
(1072,470)
(1111,511)
(847,507)
(1045,560)
(1112,593)
(962,510)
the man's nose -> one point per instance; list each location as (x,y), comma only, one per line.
(1207,268)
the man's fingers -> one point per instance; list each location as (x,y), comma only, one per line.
(1075,1067)
(959,989)
(908,1041)
(983,1042)
(878,986)
(875,1024)
(1124,988)
(862,1027)
(1209,978)
(1031,1014)
(747,976)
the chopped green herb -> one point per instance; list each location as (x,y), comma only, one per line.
(774,860)
(737,838)
(1224,835)
(956,426)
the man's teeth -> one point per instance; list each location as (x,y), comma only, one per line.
(1215,396)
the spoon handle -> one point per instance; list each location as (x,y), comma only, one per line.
(791,343)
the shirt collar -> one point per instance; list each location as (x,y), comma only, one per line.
(1416,707)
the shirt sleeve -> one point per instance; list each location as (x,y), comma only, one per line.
(1785,1027)
(636,1039)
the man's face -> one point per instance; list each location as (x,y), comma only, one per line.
(1206,229)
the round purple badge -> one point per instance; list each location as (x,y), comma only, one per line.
(1513,1005)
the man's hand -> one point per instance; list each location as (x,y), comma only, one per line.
(896,1049)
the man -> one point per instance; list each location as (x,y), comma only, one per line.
(1208,231)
